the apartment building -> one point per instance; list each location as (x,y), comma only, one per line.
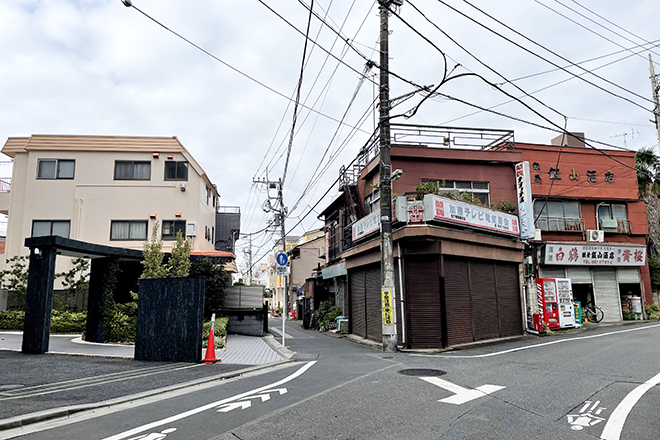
(107,190)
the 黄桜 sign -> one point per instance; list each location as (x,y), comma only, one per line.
(594,255)
(449,210)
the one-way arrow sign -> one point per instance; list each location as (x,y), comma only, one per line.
(461,395)
(231,406)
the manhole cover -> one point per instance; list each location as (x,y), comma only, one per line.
(10,387)
(422,372)
(300,356)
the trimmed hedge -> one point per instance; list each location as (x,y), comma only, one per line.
(60,321)
(121,323)
(219,332)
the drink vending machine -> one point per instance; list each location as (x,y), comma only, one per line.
(555,303)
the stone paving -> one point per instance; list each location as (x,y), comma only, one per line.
(247,350)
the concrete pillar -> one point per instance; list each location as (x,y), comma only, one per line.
(39,300)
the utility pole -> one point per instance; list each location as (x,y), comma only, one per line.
(248,252)
(386,257)
(656,108)
(279,216)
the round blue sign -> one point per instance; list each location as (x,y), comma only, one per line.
(282,259)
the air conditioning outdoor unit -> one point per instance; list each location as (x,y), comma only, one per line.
(595,235)
(342,326)
(322,252)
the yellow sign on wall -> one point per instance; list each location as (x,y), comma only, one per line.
(388,312)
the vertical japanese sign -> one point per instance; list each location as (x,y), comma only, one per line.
(525,208)
(388,313)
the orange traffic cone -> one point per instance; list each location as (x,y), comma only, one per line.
(210,351)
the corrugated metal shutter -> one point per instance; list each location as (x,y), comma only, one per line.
(400,316)
(358,302)
(552,272)
(579,275)
(508,299)
(374,306)
(423,301)
(457,302)
(606,292)
(484,301)
(628,275)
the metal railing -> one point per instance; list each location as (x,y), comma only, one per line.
(5,184)
(622,227)
(560,224)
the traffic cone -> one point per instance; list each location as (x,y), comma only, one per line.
(210,350)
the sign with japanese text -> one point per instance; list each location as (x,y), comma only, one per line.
(594,255)
(525,207)
(366,225)
(388,312)
(449,210)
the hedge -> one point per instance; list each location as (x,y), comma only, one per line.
(60,322)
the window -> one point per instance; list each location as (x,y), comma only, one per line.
(132,170)
(480,190)
(176,170)
(613,218)
(171,227)
(372,202)
(128,230)
(41,228)
(558,216)
(55,169)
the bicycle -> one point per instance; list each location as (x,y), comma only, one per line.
(593,313)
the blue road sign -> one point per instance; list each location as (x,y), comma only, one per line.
(282,259)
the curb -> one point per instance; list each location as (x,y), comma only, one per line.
(65,411)
(277,347)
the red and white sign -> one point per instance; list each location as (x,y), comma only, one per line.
(569,254)
(449,210)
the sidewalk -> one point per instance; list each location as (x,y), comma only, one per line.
(77,376)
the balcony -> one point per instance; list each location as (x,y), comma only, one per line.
(560,224)
(614,226)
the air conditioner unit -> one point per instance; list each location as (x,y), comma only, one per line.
(342,326)
(595,235)
(322,252)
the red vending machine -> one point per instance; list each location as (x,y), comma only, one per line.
(547,299)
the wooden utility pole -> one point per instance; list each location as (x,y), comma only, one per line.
(656,108)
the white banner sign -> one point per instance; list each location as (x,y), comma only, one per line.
(568,254)
(449,210)
(281,270)
(525,207)
(366,225)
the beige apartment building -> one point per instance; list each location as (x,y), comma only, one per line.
(107,190)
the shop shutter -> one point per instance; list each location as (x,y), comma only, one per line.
(552,272)
(423,301)
(508,299)
(400,315)
(484,300)
(374,306)
(579,275)
(628,275)
(606,292)
(457,302)
(358,300)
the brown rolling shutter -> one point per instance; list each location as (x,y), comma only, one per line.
(484,300)
(358,302)
(423,301)
(457,302)
(508,299)
(374,307)
(399,316)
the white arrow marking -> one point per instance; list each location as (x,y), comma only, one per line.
(263,397)
(461,395)
(279,390)
(231,406)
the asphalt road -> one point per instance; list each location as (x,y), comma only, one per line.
(582,385)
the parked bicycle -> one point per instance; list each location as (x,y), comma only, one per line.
(593,313)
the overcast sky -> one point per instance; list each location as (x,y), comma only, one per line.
(97,67)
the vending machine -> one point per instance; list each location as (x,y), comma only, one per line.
(546,295)
(566,309)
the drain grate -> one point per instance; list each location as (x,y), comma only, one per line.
(422,372)
(305,356)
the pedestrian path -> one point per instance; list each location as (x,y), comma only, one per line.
(247,350)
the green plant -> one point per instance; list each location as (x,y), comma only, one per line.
(327,313)
(654,268)
(121,322)
(219,332)
(178,265)
(505,206)
(75,281)
(15,278)
(215,286)
(63,321)
(153,256)
(12,320)
(431,187)
(652,312)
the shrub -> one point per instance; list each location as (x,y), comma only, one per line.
(153,256)
(121,323)
(178,265)
(219,333)
(327,313)
(12,320)
(215,286)
(68,322)
(15,278)
(653,312)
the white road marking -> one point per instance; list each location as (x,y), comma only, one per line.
(461,395)
(232,406)
(209,406)
(279,332)
(614,425)
(513,350)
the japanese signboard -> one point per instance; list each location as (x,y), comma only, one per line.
(449,210)
(594,255)
(388,313)
(366,225)
(525,207)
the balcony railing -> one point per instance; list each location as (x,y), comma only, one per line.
(622,226)
(560,224)
(5,184)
